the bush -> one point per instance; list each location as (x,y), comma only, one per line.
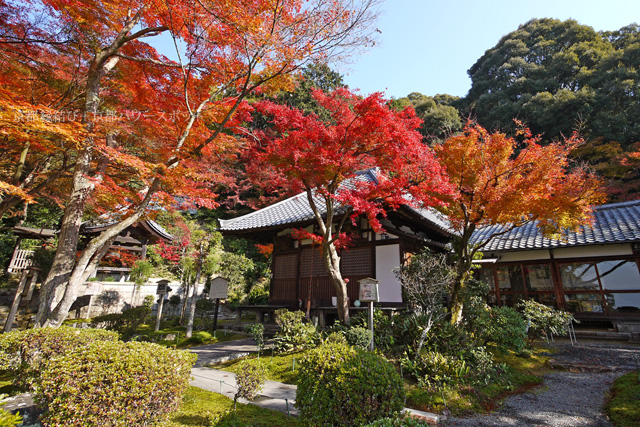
(358,337)
(126,322)
(336,337)
(258,295)
(431,368)
(22,353)
(149,300)
(201,337)
(114,384)
(296,333)
(250,377)
(543,319)
(384,337)
(340,385)
(502,326)
(257,332)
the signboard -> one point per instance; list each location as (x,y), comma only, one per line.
(368,290)
(219,287)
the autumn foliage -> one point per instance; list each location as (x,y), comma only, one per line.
(512,181)
(324,158)
(94,116)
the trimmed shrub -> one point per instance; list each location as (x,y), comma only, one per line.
(199,338)
(22,353)
(114,384)
(250,377)
(258,295)
(431,368)
(543,319)
(296,333)
(336,337)
(257,332)
(502,326)
(126,322)
(341,385)
(473,366)
(383,325)
(358,337)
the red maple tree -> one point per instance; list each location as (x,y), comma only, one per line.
(303,153)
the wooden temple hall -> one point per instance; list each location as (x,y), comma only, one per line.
(298,272)
(593,273)
(133,239)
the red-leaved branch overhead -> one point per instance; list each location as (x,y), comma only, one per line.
(303,153)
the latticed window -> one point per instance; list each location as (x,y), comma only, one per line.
(356,262)
(285,266)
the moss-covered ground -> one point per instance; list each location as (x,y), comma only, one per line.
(201,408)
(623,405)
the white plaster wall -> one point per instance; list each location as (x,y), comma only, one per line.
(388,258)
(126,291)
(588,251)
(524,256)
(560,253)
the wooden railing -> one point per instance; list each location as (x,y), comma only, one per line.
(21,260)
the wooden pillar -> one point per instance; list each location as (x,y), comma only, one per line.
(143,254)
(16,301)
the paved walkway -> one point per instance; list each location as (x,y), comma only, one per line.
(274,395)
(216,353)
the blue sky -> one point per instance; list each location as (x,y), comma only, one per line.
(427,46)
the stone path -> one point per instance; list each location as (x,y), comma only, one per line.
(274,395)
(216,353)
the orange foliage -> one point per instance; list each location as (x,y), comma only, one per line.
(512,181)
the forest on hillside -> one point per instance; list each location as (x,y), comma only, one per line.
(556,77)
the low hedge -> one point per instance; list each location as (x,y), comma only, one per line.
(22,353)
(340,385)
(113,384)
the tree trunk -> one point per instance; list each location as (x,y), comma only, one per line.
(332,264)
(456,305)
(96,247)
(64,262)
(65,257)
(192,297)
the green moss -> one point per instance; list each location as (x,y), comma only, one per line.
(279,368)
(523,373)
(623,406)
(204,408)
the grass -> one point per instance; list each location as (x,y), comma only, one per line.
(623,405)
(204,408)
(6,384)
(168,327)
(523,373)
(179,331)
(279,368)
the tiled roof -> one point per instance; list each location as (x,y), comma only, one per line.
(296,209)
(613,223)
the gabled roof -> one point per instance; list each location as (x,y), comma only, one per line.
(296,211)
(613,223)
